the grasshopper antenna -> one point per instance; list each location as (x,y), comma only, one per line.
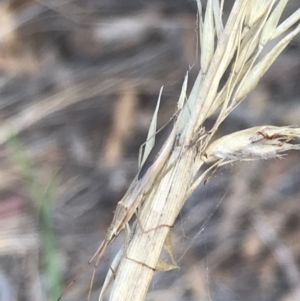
(98,253)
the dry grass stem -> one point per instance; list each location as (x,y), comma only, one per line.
(250,26)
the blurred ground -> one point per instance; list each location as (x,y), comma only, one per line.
(79,82)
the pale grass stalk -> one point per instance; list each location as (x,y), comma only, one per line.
(251,24)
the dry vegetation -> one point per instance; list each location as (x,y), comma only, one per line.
(79,87)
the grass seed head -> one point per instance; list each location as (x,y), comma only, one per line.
(260,142)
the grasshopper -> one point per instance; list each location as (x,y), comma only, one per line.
(143,181)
